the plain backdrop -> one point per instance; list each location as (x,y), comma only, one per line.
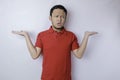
(101,60)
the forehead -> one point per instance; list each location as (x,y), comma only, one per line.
(58,12)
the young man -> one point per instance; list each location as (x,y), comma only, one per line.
(56,44)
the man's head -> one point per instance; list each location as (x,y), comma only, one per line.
(58,15)
(58,7)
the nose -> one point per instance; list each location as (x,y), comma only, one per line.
(60,19)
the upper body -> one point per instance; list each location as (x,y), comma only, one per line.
(56,48)
(56,45)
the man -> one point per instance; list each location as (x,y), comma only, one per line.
(56,44)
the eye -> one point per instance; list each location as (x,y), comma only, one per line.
(63,16)
(56,16)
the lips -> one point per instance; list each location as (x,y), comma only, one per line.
(59,24)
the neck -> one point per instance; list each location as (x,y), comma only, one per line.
(57,29)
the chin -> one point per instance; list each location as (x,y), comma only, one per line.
(58,27)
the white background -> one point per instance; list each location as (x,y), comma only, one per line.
(101,60)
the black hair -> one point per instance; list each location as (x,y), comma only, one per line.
(58,7)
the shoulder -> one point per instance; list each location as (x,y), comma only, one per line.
(70,33)
(42,33)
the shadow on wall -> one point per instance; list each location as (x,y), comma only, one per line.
(68,19)
(115,7)
(118,19)
(119,23)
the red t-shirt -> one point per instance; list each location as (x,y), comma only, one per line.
(56,48)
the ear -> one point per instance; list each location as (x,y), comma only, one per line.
(50,18)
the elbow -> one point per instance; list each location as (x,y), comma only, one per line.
(79,57)
(34,57)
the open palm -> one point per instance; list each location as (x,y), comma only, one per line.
(22,33)
(90,33)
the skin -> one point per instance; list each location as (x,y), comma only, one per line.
(57,19)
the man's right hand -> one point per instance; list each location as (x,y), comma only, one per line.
(22,33)
(34,51)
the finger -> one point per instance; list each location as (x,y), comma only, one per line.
(95,32)
(15,32)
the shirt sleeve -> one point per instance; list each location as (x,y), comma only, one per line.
(75,44)
(38,41)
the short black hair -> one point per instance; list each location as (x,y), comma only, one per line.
(58,7)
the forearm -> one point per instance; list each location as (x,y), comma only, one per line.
(34,51)
(31,48)
(80,51)
(82,47)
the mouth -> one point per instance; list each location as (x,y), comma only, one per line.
(59,24)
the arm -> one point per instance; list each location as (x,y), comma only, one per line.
(34,51)
(80,51)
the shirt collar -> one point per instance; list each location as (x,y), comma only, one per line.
(53,31)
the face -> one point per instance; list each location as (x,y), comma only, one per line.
(58,18)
